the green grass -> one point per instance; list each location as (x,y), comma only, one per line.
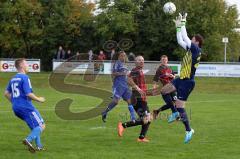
(214,106)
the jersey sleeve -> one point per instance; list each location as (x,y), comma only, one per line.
(27,87)
(9,89)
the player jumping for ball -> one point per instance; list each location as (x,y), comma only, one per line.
(185,83)
(136,77)
(19,93)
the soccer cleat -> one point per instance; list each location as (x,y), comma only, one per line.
(188,136)
(104,117)
(155,114)
(40,149)
(120,129)
(173,117)
(142,140)
(29,146)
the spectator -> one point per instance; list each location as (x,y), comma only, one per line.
(90,55)
(131,57)
(239,59)
(77,55)
(60,54)
(101,56)
(112,53)
(69,54)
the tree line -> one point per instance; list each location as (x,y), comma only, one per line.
(35,28)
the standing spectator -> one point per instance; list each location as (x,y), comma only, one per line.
(101,56)
(60,54)
(68,54)
(112,53)
(90,55)
(239,59)
(77,55)
(131,57)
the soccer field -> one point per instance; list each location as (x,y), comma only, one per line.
(214,108)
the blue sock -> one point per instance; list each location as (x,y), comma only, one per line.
(38,141)
(35,132)
(132,112)
(110,107)
(184,118)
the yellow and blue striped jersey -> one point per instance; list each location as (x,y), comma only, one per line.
(190,62)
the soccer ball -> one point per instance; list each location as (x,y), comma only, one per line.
(169,8)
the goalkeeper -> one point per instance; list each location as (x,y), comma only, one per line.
(185,83)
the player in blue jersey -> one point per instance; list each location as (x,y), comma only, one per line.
(19,93)
(185,83)
(120,86)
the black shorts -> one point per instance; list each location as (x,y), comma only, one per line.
(140,106)
(184,88)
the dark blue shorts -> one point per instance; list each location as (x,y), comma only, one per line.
(184,88)
(122,92)
(31,116)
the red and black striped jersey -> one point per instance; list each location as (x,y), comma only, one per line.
(139,79)
(163,74)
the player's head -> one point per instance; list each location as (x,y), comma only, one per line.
(21,65)
(139,61)
(122,56)
(198,40)
(164,59)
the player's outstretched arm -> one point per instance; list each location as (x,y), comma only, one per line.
(179,34)
(185,37)
(180,40)
(34,97)
(7,95)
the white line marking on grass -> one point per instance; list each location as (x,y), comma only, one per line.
(99,127)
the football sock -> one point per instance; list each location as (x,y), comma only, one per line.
(132,123)
(144,130)
(132,112)
(164,107)
(184,118)
(38,141)
(110,107)
(35,132)
(168,100)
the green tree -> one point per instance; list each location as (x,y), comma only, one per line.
(213,19)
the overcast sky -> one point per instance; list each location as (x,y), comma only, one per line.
(231,2)
(237,2)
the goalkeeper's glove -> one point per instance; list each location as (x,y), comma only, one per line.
(183,18)
(178,24)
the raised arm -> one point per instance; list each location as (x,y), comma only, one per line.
(185,37)
(180,40)
(178,24)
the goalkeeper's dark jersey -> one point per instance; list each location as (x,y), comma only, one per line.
(190,62)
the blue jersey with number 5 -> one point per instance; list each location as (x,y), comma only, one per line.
(19,87)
